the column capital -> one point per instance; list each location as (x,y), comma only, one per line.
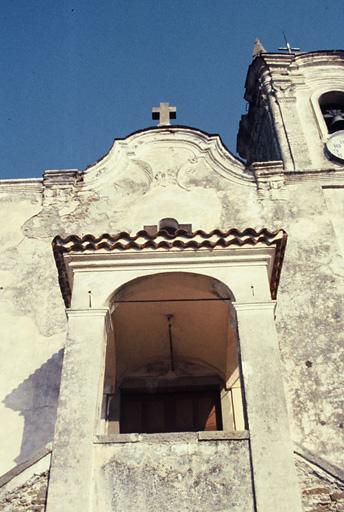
(254,306)
(86,312)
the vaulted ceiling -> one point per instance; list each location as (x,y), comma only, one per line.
(201,326)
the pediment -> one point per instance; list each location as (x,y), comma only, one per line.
(157,173)
(163,157)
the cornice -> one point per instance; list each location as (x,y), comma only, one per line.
(320,175)
(265,170)
(325,57)
(21,185)
(285,68)
(87,312)
(62,177)
(255,306)
(180,241)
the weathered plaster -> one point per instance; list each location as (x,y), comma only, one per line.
(32,325)
(311,288)
(182,474)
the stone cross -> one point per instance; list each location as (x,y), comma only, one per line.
(164,114)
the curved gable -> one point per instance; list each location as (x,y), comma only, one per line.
(165,156)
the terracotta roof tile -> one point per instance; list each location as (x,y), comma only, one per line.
(163,240)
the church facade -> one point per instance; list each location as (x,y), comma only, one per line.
(172,316)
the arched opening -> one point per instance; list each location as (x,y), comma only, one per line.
(172,362)
(332,108)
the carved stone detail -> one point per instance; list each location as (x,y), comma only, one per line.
(270,180)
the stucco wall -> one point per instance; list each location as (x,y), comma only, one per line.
(310,315)
(32,330)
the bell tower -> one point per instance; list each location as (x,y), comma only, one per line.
(296,110)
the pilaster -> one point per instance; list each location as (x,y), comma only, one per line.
(275,481)
(71,469)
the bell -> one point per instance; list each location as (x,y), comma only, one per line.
(337,122)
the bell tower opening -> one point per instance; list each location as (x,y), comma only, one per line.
(332,108)
(172,365)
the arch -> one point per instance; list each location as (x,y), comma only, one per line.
(174,335)
(111,299)
(320,100)
(332,108)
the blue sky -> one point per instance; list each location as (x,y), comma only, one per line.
(76,74)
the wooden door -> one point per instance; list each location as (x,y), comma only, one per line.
(174,411)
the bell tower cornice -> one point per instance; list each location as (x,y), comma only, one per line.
(283,118)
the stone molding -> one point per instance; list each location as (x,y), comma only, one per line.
(172,437)
(319,175)
(87,312)
(270,179)
(21,185)
(255,306)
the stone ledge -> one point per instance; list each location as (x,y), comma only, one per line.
(223,436)
(172,437)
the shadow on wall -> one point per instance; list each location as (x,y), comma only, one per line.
(36,399)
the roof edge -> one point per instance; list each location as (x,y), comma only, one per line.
(20,468)
(164,240)
(171,128)
(312,458)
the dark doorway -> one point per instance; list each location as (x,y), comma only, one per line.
(170,411)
